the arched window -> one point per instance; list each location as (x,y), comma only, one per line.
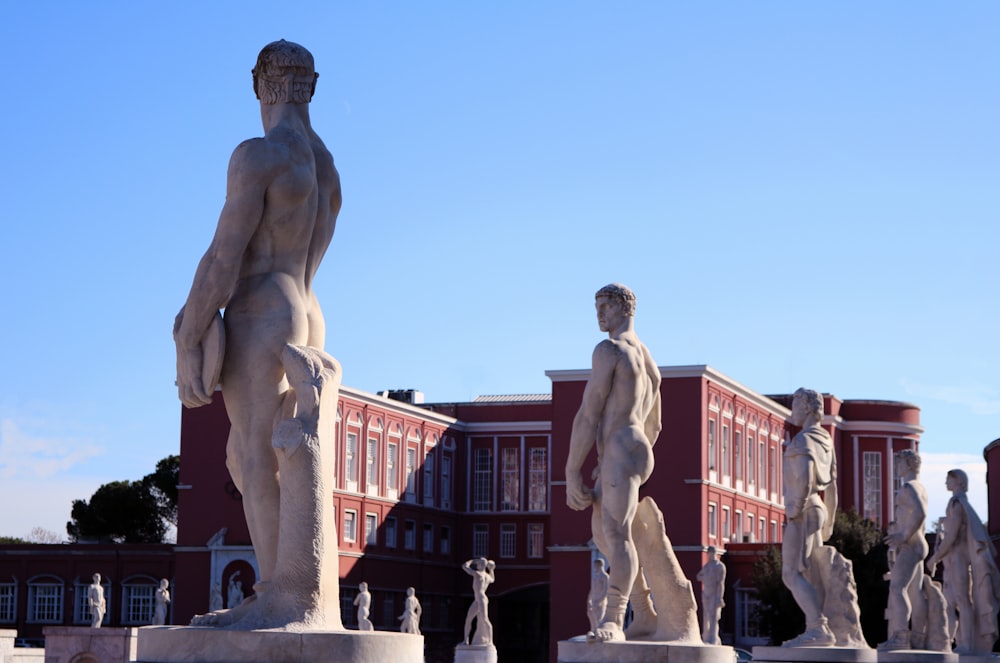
(45,600)
(138,600)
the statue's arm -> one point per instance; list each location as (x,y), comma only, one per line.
(653,423)
(946,541)
(797,484)
(916,514)
(586,422)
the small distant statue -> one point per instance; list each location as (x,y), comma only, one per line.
(908,548)
(96,602)
(162,600)
(481,570)
(971,578)
(235,592)
(410,619)
(713,586)
(215,598)
(597,599)
(364,603)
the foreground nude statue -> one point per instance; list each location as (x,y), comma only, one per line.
(971,578)
(409,621)
(713,586)
(620,413)
(280,388)
(363,602)
(482,572)
(96,602)
(820,579)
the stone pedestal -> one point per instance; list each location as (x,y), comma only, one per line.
(82,644)
(202,644)
(917,656)
(7,636)
(815,655)
(583,650)
(475,654)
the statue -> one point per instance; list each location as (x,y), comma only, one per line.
(971,578)
(280,388)
(620,413)
(215,598)
(820,579)
(162,600)
(481,570)
(363,602)
(234,595)
(96,602)
(713,586)
(410,619)
(908,548)
(597,599)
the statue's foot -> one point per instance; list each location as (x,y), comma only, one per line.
(899,640)
(223,618)
(610,632)
(818,636)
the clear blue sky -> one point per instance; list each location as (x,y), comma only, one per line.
(801,194)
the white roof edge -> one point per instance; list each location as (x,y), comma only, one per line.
(848,425)
(397,406)
(508,426)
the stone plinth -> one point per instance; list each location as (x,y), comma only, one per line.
(28,655)
(82,644)
(7,636)
(815,655)
(917,656)
(202,644)
(583,650)
(475,654)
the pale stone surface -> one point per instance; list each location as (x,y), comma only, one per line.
(918,656)
(820,579)
(96,602)
(162,601)
(79,644)
(7,637)
(482,572)
(597,598)
(486,653)
(907,550)
(620,413)
(584,650)
(409,621)
(28,655)
(283,197)
(194,644)
(831,654)
(713,587)
(971,578)
(363,602)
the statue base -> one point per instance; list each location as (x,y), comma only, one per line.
(918,656)
(475,653)
(82,643)
(205,644)
(582,649)
(816,655)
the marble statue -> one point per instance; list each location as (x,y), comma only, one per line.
(409,621)
(713,587)
(482,572)
(363,602)
(96,602)
(234,595)
(820,579)
(280,388)
(597,598)
(971,578)
(908,548)
(162,601)
(620,414)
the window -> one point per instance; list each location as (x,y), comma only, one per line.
(739,526)
(536,540)
(410,535)
(390,532)
(725,523)
(762,459)
(371,529)
(45,602)
(762,536)
(711,445)
(350,525)
(445,540)
(446,482)
(351,461)
(751,466)
(482,480)
(411,477)
(428,537)
(81,604)
(480,540)
(391,478)
(772,471)
(748,627)
(508,540)
(138,602)
(538,475)
(751,530)
(713,521)
(510,476)
(738,456)
(371,469)
(389,609)
(725,451)
(873,487)
(348,613)
(774,531)
(8,602)
(429,479)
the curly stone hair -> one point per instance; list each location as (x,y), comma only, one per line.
(620,293)
(275,62)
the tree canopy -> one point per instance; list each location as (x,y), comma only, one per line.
(129,511)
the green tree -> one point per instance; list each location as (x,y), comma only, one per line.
(129,511)
(857,539)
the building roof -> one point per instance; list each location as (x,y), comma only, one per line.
(514,398)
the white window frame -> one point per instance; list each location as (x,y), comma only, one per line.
(538,479)
(350,525)
(713,520)
(429,478)
(480,540)
(410,535)
(138,602)
(445,481)
(508,540)
(510,479)
(536,540)
(371,529)
(45,601)
(8,602)
(872,490)
(392,469)
(351,460)
(390,532)
(482,479)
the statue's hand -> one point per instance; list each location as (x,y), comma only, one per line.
(578,496)
(931,566)
(190,388)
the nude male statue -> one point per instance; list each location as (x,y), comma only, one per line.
(162,600)
(713,586)
(907,542)
(620,413)
(481,570)
(96,602)
(363,601)
(410,619)
(282,200)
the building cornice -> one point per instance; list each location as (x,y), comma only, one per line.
(507,427)
(398,406)
(896,427)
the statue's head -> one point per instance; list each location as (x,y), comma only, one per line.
(164,583)
(285,74)
(481,563)
(621,294)
(959,478)
(97,578)
(806,403)
(410,591)
(363,587)
(713,552)
(908,459)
